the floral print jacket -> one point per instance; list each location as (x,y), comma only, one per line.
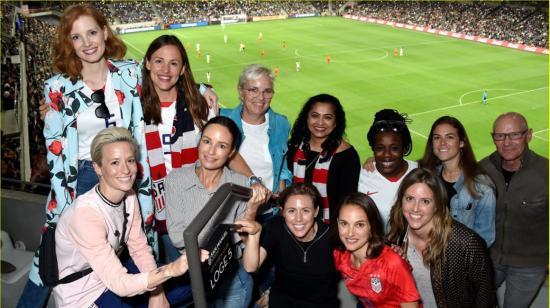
(67,101)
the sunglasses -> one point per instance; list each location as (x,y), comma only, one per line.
(389,125)
(101,111)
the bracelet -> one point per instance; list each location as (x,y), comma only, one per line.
(254,180)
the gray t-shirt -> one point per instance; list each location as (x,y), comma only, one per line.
(422,277)
(186,196)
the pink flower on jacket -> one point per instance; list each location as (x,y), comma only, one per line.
(56,98)
(52,205)
(139,90)
(55,147)
(149,220)
(120,96)
(112,68)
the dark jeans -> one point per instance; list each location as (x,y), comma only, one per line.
(177,291)
(87,178)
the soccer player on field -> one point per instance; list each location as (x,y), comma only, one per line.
(297,66)
(484,97)
(328,59)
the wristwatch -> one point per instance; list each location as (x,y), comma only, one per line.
(254,180)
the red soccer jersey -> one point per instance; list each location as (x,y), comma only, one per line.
(386,281)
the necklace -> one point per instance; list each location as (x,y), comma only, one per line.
(109,202)
(304,251)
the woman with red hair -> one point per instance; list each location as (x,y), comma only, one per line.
(94,89)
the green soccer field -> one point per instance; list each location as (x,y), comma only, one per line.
(436,75)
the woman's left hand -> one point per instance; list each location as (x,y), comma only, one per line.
(212,100)
(158,299)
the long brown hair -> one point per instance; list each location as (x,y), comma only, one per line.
(439,235)
(468,163)
(188,93)
(65,59)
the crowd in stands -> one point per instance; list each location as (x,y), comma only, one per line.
(514,23)
(135,11)
(525,24)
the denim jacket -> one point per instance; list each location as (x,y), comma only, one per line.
(278,136)
(476,214)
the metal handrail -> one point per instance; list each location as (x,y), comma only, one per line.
(226,195)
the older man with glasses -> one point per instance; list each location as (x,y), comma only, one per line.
(520,251)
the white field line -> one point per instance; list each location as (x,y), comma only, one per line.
(474,102)
(535,134)
(134,46)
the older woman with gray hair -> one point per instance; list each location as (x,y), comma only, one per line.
(265,132)
(264,138)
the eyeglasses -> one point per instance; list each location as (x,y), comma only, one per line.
(267,93)
(101,111)
(512,135)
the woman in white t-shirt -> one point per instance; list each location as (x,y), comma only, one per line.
(94,89)
(390,141)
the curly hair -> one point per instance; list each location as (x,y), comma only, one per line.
(300,132)
(390,120)
(65,59)
(188,94)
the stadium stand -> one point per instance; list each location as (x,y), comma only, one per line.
(524,23)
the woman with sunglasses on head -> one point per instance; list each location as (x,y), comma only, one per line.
(471,192)
(99,224)
(189,188)
(94,89)
(390,141)
(372,271)
(318,153)
(450,262)
(298,244)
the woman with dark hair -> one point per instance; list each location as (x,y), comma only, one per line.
(173,107)
(390,141)
(318,153)
(94,89)
(471,192)
(298,243)
(190,187)
(372,271)
(450,262)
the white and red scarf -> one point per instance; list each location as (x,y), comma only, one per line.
(320,174)
(183,151)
